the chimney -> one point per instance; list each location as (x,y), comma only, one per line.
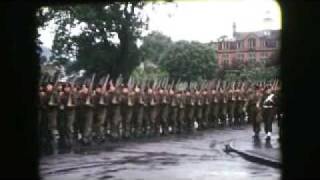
(234,29)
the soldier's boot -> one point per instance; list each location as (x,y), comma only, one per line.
(165,129)
(54,142)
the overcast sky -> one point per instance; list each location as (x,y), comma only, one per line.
(203,21)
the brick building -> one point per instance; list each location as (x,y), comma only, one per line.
(246,47)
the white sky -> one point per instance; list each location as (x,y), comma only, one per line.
(204,20)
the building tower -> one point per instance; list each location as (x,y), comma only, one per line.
(234,28)
(267,22)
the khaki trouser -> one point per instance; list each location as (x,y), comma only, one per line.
(87,124)
(126,121)
(68,128)
(116,120)
(181,120)
(173,118)
(164,112)
(99,123)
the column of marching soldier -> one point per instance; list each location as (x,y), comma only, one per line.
(70,113)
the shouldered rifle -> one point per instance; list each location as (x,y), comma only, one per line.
(103,90)
(88,100)
(70,104)
(54,91)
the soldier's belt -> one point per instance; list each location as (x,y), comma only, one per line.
(267,107)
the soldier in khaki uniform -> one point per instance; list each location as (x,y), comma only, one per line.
(181,112)
(138,112)
(199,110)
(164,110)
(42,119)
(207,109)
(190,109)
(173,111)
(69,103)
(86,105)
(223,106)
(256,103)
(127,111)
(51,101)
(116,99)
(231,105)
(215,108)
(99,114)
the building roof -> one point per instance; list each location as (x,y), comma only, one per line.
(273,34)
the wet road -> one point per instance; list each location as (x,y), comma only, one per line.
(197,156)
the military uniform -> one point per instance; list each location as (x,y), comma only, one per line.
(207,110)
(231,105)
(51,111)
(164,112)
(268,112)
(199,110)
(100,112)
(254,111)
(215,108)
(152,113)
(138,114)
(223,107)
(68,102)
(87,112)
(190,110)
(127,113)
(42,121)
(173,113)
(116,99)
(181,112)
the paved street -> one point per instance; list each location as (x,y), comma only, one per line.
(197,156)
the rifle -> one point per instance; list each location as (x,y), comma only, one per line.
(69,103)
(103,90)
(90,90)
(51,103)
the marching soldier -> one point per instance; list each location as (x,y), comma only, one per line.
(128,106)
(138,112)
(51,101)
(255,109)
(190,110)
(164,110)
(116,99)
(42,119)
(199,110)
(231,105)
(86,106)
(223,106)
(173,111)
(207,109)
(99,100)
(181,113)
(241,106)
(268,107)
(215,108)
(68,102)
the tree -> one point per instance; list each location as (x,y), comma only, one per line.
(154,45)
(107,41)
(189,61)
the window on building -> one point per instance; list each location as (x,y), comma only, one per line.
(271,43)
(220,46)
(252,43)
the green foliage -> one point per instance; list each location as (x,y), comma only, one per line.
(149,73)
(107,42)
(253,72)
(189,61)
(154,45)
